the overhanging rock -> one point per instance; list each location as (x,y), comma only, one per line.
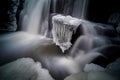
(63,29)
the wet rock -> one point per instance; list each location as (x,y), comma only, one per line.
(105,30)
(93,67)
(110,53)
(8,15)
(114,18)
(24,69)
(115,66)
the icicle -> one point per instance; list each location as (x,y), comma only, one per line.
(63,28)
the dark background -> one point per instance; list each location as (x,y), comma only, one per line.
(100,10)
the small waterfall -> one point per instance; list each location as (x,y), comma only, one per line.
(54,6)
(34,16)
(75,8)
(79,8)
(89,40)
(88,28)
(86,43)
(84,9)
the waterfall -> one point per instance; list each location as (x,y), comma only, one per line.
(79,9)
(88,28)
(34,16)
(35,19)
(54,6)
(84,9)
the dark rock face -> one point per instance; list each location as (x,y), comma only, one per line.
(105,30)
(110,53)
(8,9)
(100,10)
(19,9)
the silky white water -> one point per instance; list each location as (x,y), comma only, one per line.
(34,16)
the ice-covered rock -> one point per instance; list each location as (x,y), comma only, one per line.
(63,29)
(24,69)
(93,67)
(115,66)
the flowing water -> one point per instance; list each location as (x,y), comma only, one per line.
(34,19)
(34,16)
(79,9)
(54,6)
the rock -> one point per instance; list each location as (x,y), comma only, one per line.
(105,30)
(24,69)
(115,66)
(86,43)
(96,72)
(114,18)
(93,67)
(8,15)
(118,28)
(91,76)
(97,28)
(110,54)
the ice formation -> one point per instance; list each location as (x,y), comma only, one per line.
(93,67)
(24,69)
(115,66)
(63,28)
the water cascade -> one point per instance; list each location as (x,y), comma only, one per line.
(79,8)
(34,16)
(35,19)
(88,28)
(54,6)
(89,39)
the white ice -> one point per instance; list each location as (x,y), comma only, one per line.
(63,29)
(24,69)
